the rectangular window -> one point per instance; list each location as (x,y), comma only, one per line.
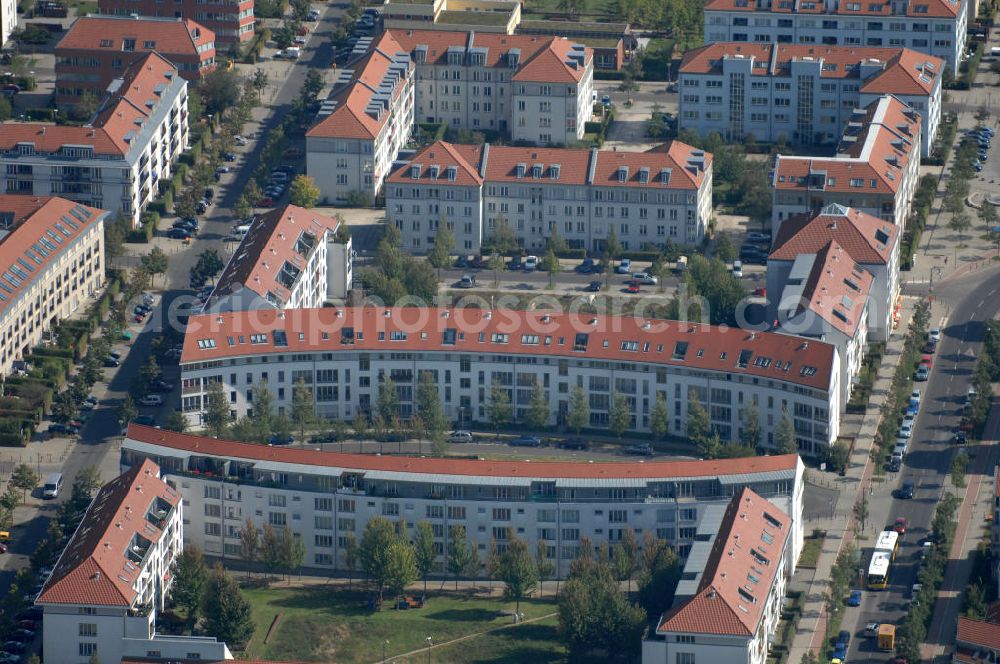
(87,649)
(88,629)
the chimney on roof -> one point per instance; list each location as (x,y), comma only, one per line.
(712,594)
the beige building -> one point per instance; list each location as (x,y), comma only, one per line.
(52,262)
(500,16)
(875,170)
(646,197)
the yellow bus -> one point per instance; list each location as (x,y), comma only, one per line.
(878,570)
(888,542)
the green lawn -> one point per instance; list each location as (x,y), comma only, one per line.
(811,548)
(332,625)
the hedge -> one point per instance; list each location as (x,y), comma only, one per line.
(606,75)
(12,440)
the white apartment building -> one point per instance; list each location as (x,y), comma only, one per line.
(646,197)
(728,603)
(801,94)
(363,124)
(871,243)
(934,27)
(52,262)
(114,575)
(825,297)
(289,259)
(346,353)
(115,162)
(323,496)
(8,20)
(876,168)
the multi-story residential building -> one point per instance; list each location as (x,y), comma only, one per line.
(230,20)
(871,243)
(345,354)
(728,605)
(52,257)
(325,496)
(825,297)
(533,89)
(115,162)
(876,168)
(289,259)
(978,641)
(114,575)
(500,16)
(646,197)
(801,94)
(98,49)
(363,124)
(934,27)
(8,20)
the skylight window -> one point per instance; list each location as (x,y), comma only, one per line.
(499,338)
(206,343)
(258,338)
(397,335)
(630,346)
(807,371)
(680,350)
(529,339)
(744,359)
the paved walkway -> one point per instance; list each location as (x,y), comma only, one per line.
(839,526)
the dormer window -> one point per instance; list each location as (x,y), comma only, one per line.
(643,175)
(433,172)
(452,173)
(665,176)
(554,171)
(536,171)
(415,171)
(622,173)
(519,171)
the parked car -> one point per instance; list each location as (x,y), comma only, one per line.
(586,267)
(934,335)
(14,646)
(145,420)
(460,436)
(467,281)
(906,430)
(574,444)
(639,449)
(23,635)
(526,441)
(738,269)
(287,439)
(593,287)
(239,140)
(900,525)
(871,629)
(266,201)
(179,234)
(110,362)
(151,400)
(759,238)
(531,263)
(624,266)
(906,490)
(632,287)
(645,278)
(228,156)
(320,439)
(922,373)
(160,385)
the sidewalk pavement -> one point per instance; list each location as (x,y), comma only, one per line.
(839,526)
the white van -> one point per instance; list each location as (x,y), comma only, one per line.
(240,232)
(53,485)
(293,52)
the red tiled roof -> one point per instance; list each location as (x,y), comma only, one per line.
(902,71)
(269,244)
(205,446)
(29,219)
(94,569)
(554,64)
(497,47)
(875,150)
(180,36)
(979,633)
(687,165)
(706,347)
(930,8)
(739,574)
(868,239)
(121,114)
(836,290)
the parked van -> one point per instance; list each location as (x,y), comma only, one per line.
(240,232)
(682,265)
(293,52)
(53,485)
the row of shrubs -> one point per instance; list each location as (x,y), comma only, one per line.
(969,69)
(923,199)
(945,139)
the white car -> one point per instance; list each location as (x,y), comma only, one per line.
(531,263)
(934,335)
(915,397)
(738,269)
(645,278)
(906,430)
(460,437)
(151,400)
(240,140)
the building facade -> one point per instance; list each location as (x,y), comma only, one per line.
(876,168)
(934,27)
(362,125)
(742,570)
(325,496)
(288,259)
(52,256)
(98,49)
(115,162)
(345,354)
(794,93)
(231,21)
(8,20)
(646,197)
(114,575)
(871,242)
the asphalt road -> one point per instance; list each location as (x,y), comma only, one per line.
(976,299)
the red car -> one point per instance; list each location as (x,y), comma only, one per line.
(633,287)
(303,31)
(139,318)
(760,292)
(927,361)
(267,201)
(3,548)
(900,526)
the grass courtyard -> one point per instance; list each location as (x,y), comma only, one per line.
(333,624)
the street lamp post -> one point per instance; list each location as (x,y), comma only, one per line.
(429,650)
(384,644)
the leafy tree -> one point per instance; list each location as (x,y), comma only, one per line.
(423,550)
(988,213)
(216,410)
(250,542)
(595,616)
(293,550)
(350,556)
(518,570)
(571,7)
(440,254)
(625,557)
(960,222)
(86,106)
(550,263)
(725,250)
(303,412)
(710,447)
(387,404)
(503,240)
(243,207)
(228,615)
(430,411)
(312,85)
(270,548)
(544,566)
(538,409)
(498,409)
(150,372)
(555,243)
(401,566)
(155,262)
(750,435)
(373,552)
(24,478)
(698,427)
(620,415)
(462,557)
(612,247)
(784,435)
(64,407)
(190,580)
(495,263)
(303,191)
(176,421)
(659,418)
(659,572)
(262,417)
(88,480)
(579,410)
(220,90)
(628,86)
